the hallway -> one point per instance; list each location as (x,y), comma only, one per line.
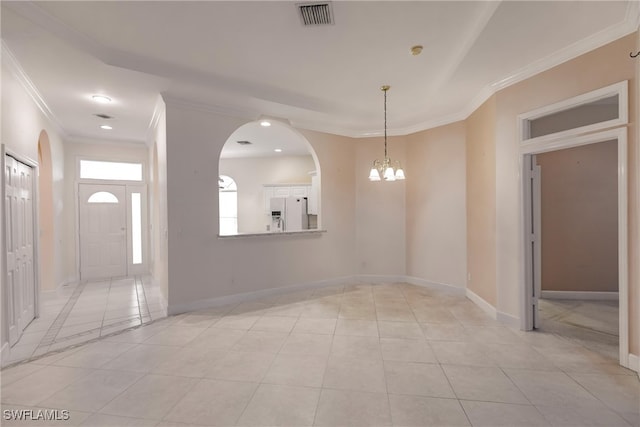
(348,355)
(85,311)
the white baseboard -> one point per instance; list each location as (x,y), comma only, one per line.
(434,285)
(251,296)
(484,305)
(634,363)
(378,279)
(579,295)
(508,319)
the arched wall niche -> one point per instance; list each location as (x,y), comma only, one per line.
(45,213)
(274,161)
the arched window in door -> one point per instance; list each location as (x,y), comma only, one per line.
(228,205)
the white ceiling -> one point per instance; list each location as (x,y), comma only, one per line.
(264,141)
(256,58)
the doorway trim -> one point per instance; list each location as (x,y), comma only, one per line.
(526,285)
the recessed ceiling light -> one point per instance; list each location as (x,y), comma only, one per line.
(106,127)
(265,123)
(102,99)
(278,150)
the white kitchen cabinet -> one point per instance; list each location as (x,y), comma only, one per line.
(284,190)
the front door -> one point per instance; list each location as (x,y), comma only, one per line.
(19,229)
(103,231)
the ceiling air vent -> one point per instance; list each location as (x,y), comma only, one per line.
(317,13)
(244,142)
(103,116)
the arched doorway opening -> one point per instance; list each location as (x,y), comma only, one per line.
(271,161)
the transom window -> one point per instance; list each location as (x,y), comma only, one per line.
(111,171)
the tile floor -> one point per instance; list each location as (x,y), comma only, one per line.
(350,355)
(83,312)
(594,324)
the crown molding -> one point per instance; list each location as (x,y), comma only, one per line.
(82,139)
(14,67)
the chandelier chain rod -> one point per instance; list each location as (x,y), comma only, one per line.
(385,124)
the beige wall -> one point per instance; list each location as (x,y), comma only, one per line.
(481,202)
(598,68)
(380,211)
(74,151)
(436,231)
(250,174)
(202,265)
(579,207)
(22,122)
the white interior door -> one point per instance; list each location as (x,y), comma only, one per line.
(20,246)
(103,231)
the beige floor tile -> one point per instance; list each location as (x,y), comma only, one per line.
(286,310)
(274,324)
(426,411)
(321,310)
(313,344)
(548,388)
(619,392)
(242,322)
(417,379)
(407,350)
(355,374)
(93,392)
(360,311)
(36,387)
(277,405)
(492,334)
(489,414)
(572,417)
(198,320)
(151,397)
(352,408)
(306,325)
(102,420)
(357,327)
(400,330)
(434,315)
(142,358)
(461,353)
(175,335)
(483,383)
(520,356)
(261,342)
(241,366)
(94,355)
(15,373)
(356,347)
(213,402)
(453,331)
(297,370)
(192,362)
(218,338)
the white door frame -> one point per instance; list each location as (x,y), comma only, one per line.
(4,151)
(130,187)
(527,150)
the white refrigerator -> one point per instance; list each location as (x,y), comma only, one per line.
(289,214)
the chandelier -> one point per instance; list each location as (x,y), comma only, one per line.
(388,170)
